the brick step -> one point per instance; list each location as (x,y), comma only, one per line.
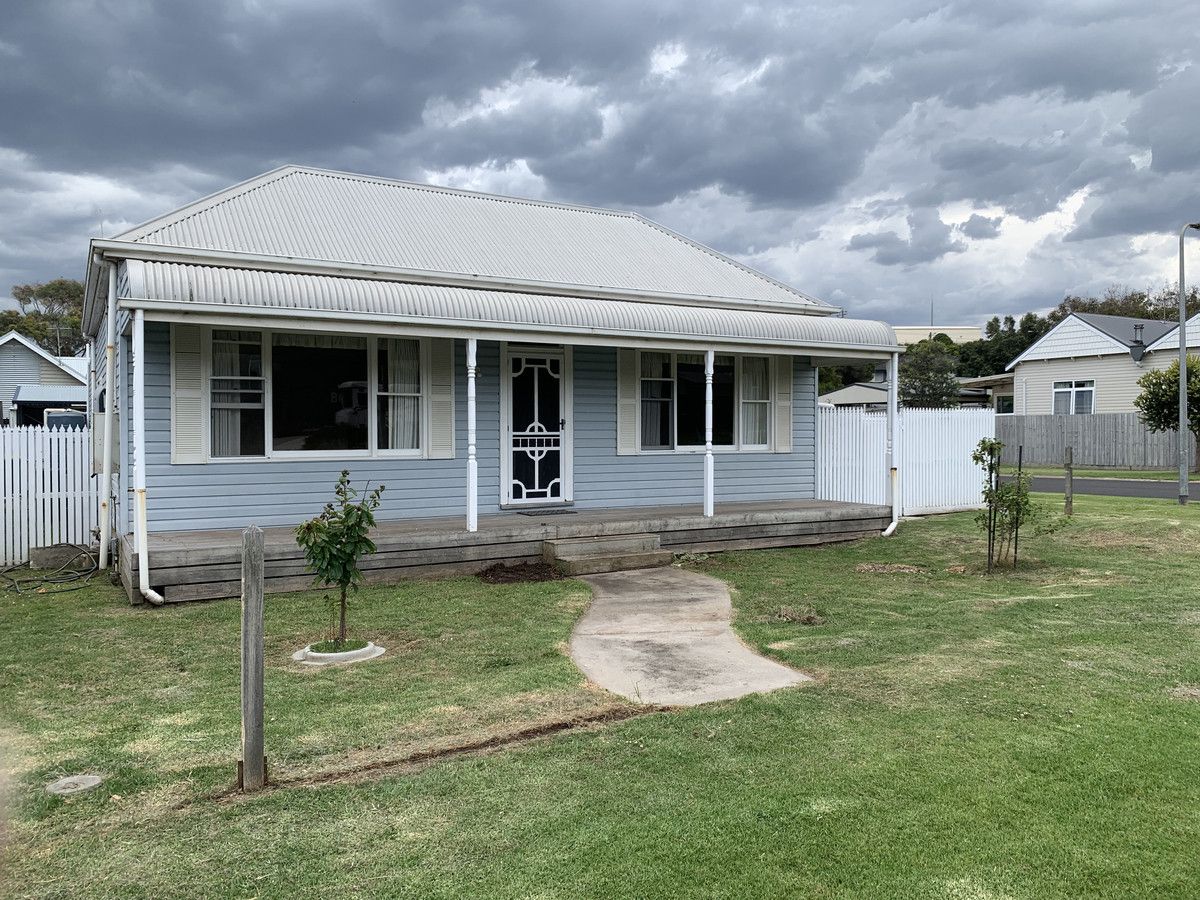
(614,562)
(570,548)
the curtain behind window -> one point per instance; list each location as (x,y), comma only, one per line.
(400,390)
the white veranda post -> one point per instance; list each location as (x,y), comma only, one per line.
(110,401)
(472,463)
(708,432)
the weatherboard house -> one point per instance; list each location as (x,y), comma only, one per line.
(527,378)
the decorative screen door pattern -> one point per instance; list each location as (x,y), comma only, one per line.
(537,418)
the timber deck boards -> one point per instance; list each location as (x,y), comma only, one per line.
(197,565)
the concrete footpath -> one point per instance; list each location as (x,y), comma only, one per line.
(663,636)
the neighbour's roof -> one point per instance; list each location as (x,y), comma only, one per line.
(1121,328)
(50,393)
(315,214)
(76,367)
(222,290)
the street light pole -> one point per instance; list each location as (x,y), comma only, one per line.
(1184,431)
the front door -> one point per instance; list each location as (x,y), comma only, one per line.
(536,449)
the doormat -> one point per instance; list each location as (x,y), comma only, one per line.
(538,513)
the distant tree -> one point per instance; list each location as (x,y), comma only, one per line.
(1158,402)
(1004,341)
(927,375)
(50,313)
(831,378)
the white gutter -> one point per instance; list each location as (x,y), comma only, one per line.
(233,259)
(893,445)
(139,457)
(374,323)
(110,395)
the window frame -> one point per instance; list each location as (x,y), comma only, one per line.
(372,450)
(1012,398)
(738,401)
(1074,388)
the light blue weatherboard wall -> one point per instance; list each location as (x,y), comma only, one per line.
(279,492)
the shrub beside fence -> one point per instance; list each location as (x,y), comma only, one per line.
(1105,440)
(48,494)
(936,472)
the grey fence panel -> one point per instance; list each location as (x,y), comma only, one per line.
(1107,440)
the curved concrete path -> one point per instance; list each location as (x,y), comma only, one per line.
(662,636)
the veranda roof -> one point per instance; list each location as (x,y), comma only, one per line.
(173,290)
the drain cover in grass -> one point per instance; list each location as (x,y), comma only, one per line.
(74,784)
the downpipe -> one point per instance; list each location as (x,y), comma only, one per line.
(147,592)
(139,458)
(891,529)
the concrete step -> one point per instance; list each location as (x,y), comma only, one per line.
(570,548)
(610,562)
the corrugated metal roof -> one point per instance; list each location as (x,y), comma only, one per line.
(50,393)
(247,291)
(338,217)
(1122,328)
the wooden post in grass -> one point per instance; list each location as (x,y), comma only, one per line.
(1069,497)
(252,768)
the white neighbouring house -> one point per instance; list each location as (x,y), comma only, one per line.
(1088,363)
(33,379)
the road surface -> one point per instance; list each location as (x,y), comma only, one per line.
(1116,487)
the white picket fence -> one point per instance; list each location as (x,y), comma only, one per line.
(47,492)
(936,472)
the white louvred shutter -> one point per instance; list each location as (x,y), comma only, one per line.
(187,395)
(627,401)
(782,397)
(441,398)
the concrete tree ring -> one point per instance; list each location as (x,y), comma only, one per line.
(74,784)
(308,657)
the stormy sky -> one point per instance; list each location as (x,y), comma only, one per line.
(987,156)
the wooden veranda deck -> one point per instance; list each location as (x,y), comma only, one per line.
(199,565)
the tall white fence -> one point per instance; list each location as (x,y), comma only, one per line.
(936,472)
(47,492)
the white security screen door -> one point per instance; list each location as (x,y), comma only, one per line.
(537,454)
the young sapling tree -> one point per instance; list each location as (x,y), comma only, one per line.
(336,539)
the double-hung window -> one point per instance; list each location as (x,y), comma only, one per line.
(1074,397)
(672,401)
(282,393)
(236,390)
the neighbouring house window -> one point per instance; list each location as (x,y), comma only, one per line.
(319,392)
(236,390)
(672,390)
(1004,404)
(399,394)
(756,400)
(1074,397)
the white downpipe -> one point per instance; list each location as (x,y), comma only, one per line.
(110,397)
(708,432)
(472,462)
(139,456)
(893,442)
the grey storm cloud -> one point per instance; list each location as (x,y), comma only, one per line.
(981,228)
(929,238)
(866,153)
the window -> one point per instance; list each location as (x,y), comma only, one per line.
(236,388)
(672,390)
(399,395)
(284,393)
(1074,397)
(1004,404)
(319,395)
(756,400)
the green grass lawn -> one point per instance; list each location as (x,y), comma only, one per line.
(1027,735)
(1140,474)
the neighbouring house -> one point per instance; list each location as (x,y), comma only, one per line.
(1091,363)
(873,395)
(998,388)
(520,374)
(33,380)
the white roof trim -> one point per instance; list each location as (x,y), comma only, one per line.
(1117,345)
(44,354)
